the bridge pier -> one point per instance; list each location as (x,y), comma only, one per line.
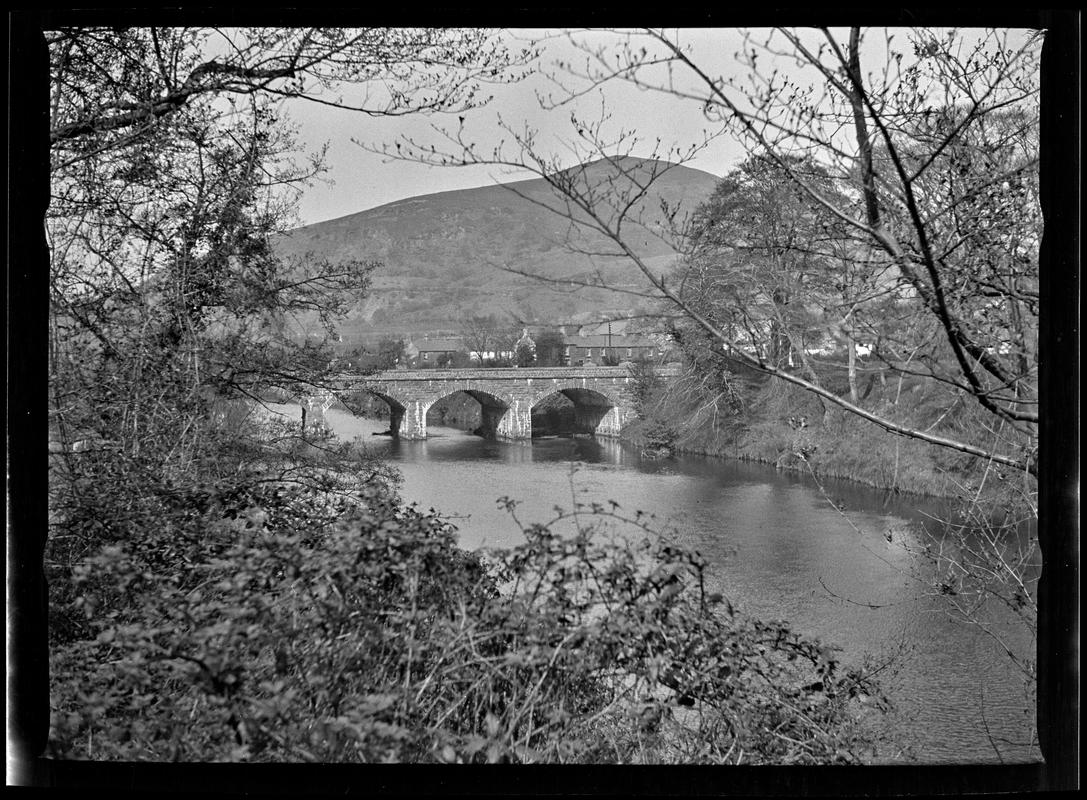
(612,422)
(314,407)
(396,416)
(490,419)
(516,423)
(411,423)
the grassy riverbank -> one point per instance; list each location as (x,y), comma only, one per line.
(774,423)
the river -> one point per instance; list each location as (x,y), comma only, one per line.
(835,559)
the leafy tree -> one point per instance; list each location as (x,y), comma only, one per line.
(355,359)
(525,354)
(505,345)
(390,352)
(646,386)
(454,360)
(761,263)
(550,349)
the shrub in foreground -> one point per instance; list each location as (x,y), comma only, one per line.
(245,634)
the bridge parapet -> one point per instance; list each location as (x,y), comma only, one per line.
(502,373)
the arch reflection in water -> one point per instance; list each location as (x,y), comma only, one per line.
(452,445)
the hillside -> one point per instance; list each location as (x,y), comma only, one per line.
(445,256)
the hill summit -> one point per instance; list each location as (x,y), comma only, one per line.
(449,255)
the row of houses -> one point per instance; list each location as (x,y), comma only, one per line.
(578,349)
(623,347)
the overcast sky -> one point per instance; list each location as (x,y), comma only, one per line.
(363,180)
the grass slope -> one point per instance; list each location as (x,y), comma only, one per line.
(445,256)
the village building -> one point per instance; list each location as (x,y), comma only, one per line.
(431,352)
(578,348)
(598,348)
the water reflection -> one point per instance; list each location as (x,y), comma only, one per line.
(837,560)
(449,444)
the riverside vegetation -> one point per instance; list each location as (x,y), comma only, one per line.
(311,616)
(719,407)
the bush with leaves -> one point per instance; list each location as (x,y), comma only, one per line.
(272,625)
(263,618)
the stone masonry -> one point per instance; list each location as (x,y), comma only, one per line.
(602,396)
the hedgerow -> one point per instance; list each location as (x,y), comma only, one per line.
(260,627)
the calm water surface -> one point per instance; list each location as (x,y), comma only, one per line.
(777,548)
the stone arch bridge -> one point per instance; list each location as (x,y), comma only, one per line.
(603,397)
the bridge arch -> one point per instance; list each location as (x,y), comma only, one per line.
(358,400)
(581,410)
(493,406)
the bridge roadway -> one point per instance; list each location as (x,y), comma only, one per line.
(603,397)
